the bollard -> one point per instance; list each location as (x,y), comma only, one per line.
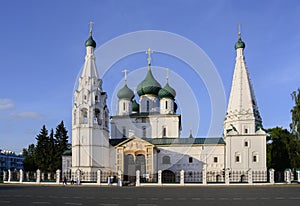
(38,176)
(137,182)
(57,176)
(271,175)
(9,176)
(21,176)
(119,178)
(182,177)
(159,177)
(99,177)
(204,175)
(227,176)
(250,179)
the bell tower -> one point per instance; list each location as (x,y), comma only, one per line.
(243,134)
(90,143)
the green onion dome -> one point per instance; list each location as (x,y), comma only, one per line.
(239,44)
(90,42)
(167,92)
(149,85)
(125,93)
(135,106)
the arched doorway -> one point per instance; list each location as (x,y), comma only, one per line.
(168,176)
(129,168)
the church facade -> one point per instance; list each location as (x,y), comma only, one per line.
(144,133)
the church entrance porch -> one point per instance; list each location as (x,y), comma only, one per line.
(132,163)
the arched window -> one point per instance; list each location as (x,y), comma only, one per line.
(147,106)
(237,157)
(166,160)
(97,119)
(84,116)
(164,131)
(144,132)
(166,104)
(124,106)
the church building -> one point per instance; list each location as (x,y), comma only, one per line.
(144,134)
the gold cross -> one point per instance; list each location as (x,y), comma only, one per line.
(167,74)
(125,74)
(239,30)
(149,52)
(91,27)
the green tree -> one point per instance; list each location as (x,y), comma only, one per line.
(51,151)
(61,137)
(42,156)
(295,125)
(30,158)
(278,153)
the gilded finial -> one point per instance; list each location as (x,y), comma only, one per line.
(239,30)
(125,75)
(149,52)
(167,75)
(91,27)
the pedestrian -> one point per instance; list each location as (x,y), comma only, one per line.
(65,180)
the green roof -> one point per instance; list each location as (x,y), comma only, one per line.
(167,92)
(125,93)
(149,85)
(239,44)
(90,42)
(184,141)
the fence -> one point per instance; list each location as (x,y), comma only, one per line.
(162,177)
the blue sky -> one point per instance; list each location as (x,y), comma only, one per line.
(42,51)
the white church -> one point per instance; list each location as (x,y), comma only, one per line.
(144,135)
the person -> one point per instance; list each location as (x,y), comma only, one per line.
(65,180)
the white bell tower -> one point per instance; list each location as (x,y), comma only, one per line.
(245,139)
(90,143)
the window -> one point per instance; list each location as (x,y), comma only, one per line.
(147,106)
(124,131)
(215,159)
(246,143)
(166,160)
(190,160)
(84,97)
(144,132)
(84,116)
(96,98)
(254,158)
(166,104)
(124,106)
(164,131)
(237,158)
(246,131)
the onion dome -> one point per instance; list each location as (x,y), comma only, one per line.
(167,92)
(125,93)
(135,106)
(239,43)
(90,42)
(149,85)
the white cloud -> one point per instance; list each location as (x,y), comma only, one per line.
(27,115)
(6,104)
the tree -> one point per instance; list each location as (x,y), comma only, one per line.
(42,159)
(30,158)
(51,153)
(61,137)
(295,125)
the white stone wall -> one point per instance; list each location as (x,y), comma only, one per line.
(201,155)
(152,126)
(246,147)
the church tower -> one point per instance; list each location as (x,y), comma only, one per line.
(245,139)
(90,144)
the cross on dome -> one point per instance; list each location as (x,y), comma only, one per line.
(91,27)
(125,74)
(149,52)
